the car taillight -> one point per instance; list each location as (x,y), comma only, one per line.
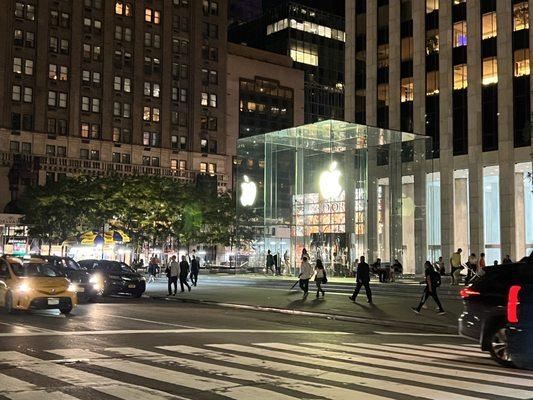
(468,292)
(512,304)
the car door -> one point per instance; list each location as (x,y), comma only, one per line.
(4,277)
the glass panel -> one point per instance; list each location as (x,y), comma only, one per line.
(491,213)
(461,227)
(523,209)
(433,216)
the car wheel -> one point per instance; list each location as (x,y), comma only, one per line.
(8,303)
(498,346)
(138,294)
(65,311)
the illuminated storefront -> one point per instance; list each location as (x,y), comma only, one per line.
(340,191)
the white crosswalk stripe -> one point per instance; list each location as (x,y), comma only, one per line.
(270,371)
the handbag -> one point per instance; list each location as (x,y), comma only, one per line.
(325,278)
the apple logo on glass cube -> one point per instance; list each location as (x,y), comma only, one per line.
(330,186)
(248,192)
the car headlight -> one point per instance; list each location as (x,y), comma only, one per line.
(72,288)
(95,278)
(23,288)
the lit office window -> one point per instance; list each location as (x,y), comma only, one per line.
(432,5)
(432,83)
(309,27)
(303,52)
(521,16)
(460,34)
(490,71)
(521,62)
(460,77)
(407,90)
(489,25)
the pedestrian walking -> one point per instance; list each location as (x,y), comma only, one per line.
(172,271)
(440,267)
(432,282)
(507,260)
(362,279)
(287,262)
(195,270)
(320,278)
(269,262)
(152,272)
(306,272)
(455,261)
(277,265)
(481,264)
(471,264)
(184,273)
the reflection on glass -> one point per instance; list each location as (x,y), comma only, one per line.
(523,209)
(491,213)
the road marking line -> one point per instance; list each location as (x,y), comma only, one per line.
(366,349)
(438,352)
(314,372)
(147,321)
(7,383)
(39,395)
(416,334)
(448,372)
(427,354)
(169,331)
(319,389)
(476,349)
(216,370)
(51,369)
(148,371)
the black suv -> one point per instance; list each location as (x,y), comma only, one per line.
(116,277)
(488,304)
(88,287)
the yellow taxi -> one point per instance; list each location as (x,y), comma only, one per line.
(34,284)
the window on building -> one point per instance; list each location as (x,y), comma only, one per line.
(432,5)
(17,65)
(182,165)
(460,77)
(212,100)
(28,67)
(489,25)
(490,71)
(84,130)
(204,146)
(95,155)
(204,99)
(432,83)
(52,98)
(460,34)
(407,48)
(146,113)
(521,16)
(16,93)
(63,100)
(521,62)
(26,148)
(203,167)
(407,90)
(28,95)
(183,142)
(84,154)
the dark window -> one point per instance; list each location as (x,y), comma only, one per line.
(489,100)
(460,122)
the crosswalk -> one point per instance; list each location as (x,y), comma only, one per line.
(269,370)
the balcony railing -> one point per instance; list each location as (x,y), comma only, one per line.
(100,168)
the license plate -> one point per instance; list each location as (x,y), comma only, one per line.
(80,290)
(53,302)
(131,286)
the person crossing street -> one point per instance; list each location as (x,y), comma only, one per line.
(173,271)
(432,282)
(306,272)
(195,269)
(362,279)
(184,272)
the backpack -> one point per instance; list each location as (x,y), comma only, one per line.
(435,278)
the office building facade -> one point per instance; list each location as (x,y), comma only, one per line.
(314,39)
(99,86)
(457,71)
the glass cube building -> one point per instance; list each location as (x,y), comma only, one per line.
(339,190)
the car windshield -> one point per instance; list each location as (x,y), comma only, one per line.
(118,267)
(43,270)
(71,264)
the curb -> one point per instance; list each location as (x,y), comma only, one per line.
(339,317)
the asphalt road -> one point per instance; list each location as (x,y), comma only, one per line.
(124,348)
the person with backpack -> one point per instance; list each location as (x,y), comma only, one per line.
(432,282)
(320,278)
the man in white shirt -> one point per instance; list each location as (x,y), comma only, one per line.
(306,272)
(173,271)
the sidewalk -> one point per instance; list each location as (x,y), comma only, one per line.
(389,309)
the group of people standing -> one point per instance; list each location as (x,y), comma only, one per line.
(182,270)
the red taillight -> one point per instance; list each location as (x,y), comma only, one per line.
(467,292)
(512,304)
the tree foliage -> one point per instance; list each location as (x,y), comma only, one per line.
(153,210)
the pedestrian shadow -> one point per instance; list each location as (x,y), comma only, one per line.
(372,309)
